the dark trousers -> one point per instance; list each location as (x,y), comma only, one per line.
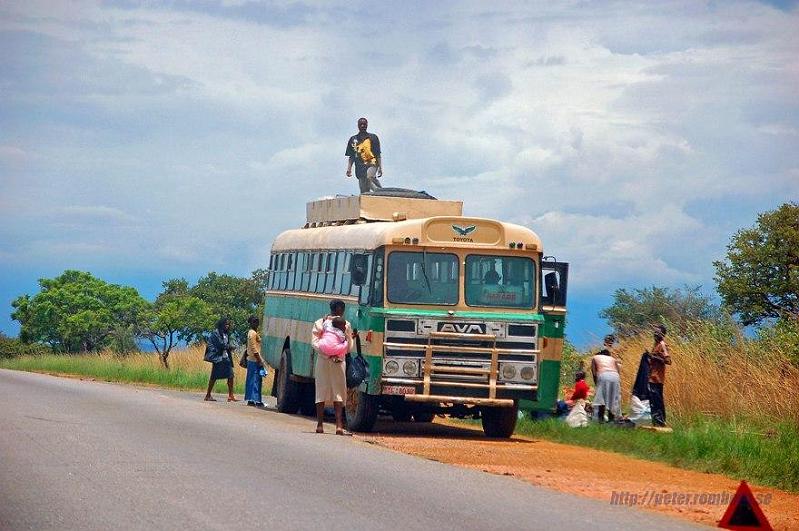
(656,404)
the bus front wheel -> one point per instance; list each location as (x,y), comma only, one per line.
(499,422)
(423,416)
(361,410)
(288,392)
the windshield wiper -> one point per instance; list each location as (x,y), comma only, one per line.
(424,271)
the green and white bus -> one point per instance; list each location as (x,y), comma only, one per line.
(457,315)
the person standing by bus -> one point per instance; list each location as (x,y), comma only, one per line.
(330,372)
(605,370)
(363,150)
(255,365)
(222,353)
(659,357)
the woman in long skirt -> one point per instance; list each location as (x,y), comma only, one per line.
(605,369)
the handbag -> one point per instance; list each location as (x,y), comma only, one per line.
(357,368)
(243,359)
(211,355)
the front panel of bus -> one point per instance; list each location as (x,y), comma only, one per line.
(473,314)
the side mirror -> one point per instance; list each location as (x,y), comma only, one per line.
(358,269)
(552,286)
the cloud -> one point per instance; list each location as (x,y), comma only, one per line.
(635,139)
(95,214)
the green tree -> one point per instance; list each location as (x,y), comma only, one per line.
(175,316)
(633,312)
(233,297)
(77,312)
(759,279)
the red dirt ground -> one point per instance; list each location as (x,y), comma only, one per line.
(576,470)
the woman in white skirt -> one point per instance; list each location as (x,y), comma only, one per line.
(330,372)
(605,369)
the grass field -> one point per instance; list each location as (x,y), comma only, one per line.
(730,400)
(767,456)
(187,370)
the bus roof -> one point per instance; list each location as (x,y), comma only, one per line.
(438,231)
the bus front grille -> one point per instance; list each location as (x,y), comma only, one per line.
(453,359)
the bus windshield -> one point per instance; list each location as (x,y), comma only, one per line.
(422,278)
(501,281)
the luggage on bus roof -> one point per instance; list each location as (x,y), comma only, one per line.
(400,192)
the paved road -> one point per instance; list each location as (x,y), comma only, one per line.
(90,455)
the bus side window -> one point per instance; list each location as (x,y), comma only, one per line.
(314,272)
(365,288)
(306,272)
(290,270)
(346,275)
(277,271)
(295,286)
(330,275)
(339,272)
(320,278)
(282,284)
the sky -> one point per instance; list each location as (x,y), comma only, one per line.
(144,140)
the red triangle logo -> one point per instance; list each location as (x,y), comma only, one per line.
(744,512)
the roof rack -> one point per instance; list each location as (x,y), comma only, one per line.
(373,207)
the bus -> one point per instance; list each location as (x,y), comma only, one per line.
(458,316)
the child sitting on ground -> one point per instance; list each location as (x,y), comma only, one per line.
(580,392)
(333,342)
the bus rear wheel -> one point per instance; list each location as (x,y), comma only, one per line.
(288,392)
(361,410)
(499,422)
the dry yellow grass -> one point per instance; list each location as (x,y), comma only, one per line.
(187,360)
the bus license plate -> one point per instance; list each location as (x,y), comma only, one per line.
(399,390)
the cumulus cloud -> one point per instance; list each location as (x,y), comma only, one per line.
(634,138)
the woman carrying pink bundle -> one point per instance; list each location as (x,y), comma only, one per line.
(333,342)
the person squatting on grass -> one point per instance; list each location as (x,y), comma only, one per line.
(605,370)
(330,371)
(256,368)
(659,357)
(222,350)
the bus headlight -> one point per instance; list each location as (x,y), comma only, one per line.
(391,367)
(527,373)
(410,368)
(508,371)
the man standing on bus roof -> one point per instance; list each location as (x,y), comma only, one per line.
(363,149)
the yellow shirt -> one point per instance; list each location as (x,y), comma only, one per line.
(253,345)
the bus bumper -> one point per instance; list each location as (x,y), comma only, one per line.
(468,401)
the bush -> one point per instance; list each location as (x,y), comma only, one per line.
(11,347)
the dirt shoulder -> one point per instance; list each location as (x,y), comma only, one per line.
(582,471)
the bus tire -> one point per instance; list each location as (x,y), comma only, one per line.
(288,392)
(423,416)
(307,402)
(361,410)
(499,422)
